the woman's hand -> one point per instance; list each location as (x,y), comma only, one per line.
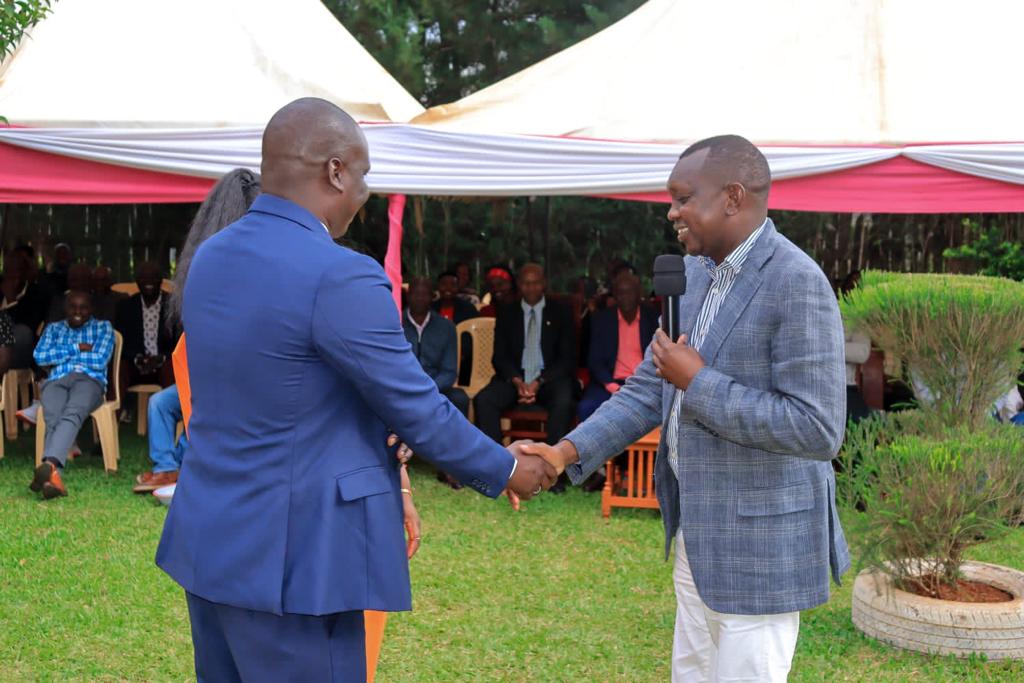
(413,528)
(404,453)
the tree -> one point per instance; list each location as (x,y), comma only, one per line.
(16,17)
(443,50)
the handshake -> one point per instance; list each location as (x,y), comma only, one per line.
(537,467)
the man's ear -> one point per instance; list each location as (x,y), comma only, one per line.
(335,168)
(735,195)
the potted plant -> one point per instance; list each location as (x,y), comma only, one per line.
(936,481)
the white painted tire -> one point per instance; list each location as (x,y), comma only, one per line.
(944,627)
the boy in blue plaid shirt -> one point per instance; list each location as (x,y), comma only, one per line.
(77,351)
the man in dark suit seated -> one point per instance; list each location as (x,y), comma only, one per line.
(618,338)
(534,360)
(142,321)
(433,343)
(448,303)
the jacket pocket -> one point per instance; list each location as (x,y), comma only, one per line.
(369,481)
(775,501)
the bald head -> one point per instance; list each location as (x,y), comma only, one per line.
(315,155)
(531,283)
(421,293)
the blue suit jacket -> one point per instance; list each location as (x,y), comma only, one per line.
(604,341)
(288,500)
(758,425)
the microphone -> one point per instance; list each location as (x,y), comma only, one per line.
(670,284)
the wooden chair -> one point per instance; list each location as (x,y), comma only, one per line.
(481,332)
(632,486)
(524,422)
(142,393)
(104,418)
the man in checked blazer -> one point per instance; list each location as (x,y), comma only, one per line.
(751,402)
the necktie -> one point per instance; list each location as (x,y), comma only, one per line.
(531,357)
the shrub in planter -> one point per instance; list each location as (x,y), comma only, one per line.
(928,499)
(959,335)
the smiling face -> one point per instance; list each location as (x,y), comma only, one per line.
(149,278)
(699,207)
(77,309)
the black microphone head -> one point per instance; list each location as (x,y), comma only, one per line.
(670,275)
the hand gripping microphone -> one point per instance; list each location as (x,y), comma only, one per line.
(670,284)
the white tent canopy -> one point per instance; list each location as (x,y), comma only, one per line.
(780,72)
(190,63)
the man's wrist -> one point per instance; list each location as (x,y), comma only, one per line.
(567,452)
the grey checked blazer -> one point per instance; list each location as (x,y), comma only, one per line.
(755,498)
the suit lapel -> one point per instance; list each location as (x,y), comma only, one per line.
(698,281)
(748,281)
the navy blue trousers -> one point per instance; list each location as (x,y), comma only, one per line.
(233,644)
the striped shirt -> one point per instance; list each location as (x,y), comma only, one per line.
(723,275)
(59,348)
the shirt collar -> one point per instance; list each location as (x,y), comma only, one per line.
(539,306)
(419,328)
(738,256)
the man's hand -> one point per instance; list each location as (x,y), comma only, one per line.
(559,456)
(677,362)
(85,348)
(404,453)
(526,393)
(532,473)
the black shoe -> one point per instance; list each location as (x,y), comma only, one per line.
(47,479)
(559,486)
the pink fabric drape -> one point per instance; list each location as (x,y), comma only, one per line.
(393,259)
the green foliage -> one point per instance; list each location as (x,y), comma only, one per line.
(991,254)
(443,50)
(16,17)
(958,334)
(931,497)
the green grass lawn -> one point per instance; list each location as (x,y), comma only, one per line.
(554,593)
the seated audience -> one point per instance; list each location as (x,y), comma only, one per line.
(165,450)
(148,341)
(76,351)
(105,299)
(466,290)
(78,279)
(858,350)
(24,301)
(6,342)
(618,339)
(534,361)
(501,290)
(433,343)
(448,304)
(59,273)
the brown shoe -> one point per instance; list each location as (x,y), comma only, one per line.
(151,481)
(47,480)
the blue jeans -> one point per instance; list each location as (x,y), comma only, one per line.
(164,416)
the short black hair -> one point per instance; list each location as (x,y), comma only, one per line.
(736,159)
(447,273)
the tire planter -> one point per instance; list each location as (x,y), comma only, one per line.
(945,627)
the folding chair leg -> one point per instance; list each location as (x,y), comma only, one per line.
(142,405)
(25,401)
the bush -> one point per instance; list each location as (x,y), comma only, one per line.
(928,498)
(990,254)
(959,335)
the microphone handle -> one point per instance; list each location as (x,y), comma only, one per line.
(670,316)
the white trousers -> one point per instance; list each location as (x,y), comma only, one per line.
(713,647)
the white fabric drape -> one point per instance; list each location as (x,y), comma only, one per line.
(414,160)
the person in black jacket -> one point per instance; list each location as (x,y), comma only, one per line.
(534,359)
(448,303)
(148,340)
(619,337)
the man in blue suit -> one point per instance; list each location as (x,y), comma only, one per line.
(287,519)
(751,403)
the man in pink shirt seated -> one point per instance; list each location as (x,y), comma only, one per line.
(618,338)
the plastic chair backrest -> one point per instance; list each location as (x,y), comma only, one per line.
(481,331)
(131,289)
(115,367)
